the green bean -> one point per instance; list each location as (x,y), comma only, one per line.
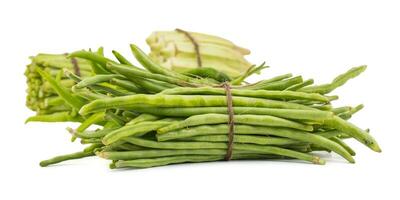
(143,118)
(278,85)
(96,67)
(53,101)
(279,151)
(136,129)
(115,118)
(93,134)
(153,162)
(47,86)
(282,85)
(259,84)
(130,115)
(55,117)
(325,107)
(131,147)
(93,119)
(97,58)
(111,89)
(258,130)
(347,115)
(133,101)
(252,139)
(208,145)
(252,70)
(130,155)
(116,146)
(121,59)
(353,131)
(139,154)
(300,85)
(340,110)
(62,158)
(337,82)
(150,65)
(93,148)
(207,72)
(287,95)
(91,141)
(330,133)
(89,95)
(344,145)
(100,51)
(262,120)
(54,109)
(152,86)
(133,73)
(96,79)
(111,124)
(314,115)
(70,99)
(128,85)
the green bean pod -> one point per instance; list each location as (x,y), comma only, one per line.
(262,120)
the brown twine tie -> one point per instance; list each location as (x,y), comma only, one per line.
(74,62)
(231,122)
(195,44)
(77,70)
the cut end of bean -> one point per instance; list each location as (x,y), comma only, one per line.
(101,154)
(112,165)
(318,160)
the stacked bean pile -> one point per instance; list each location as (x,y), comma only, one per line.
(154,116)
(174,50)
(41,96)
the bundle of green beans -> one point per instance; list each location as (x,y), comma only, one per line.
(174,50)
(41,97)
(153,116)
(214,53)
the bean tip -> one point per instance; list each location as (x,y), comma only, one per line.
(351,160)
(43,164)
(375,147)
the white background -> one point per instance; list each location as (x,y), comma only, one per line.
(317,39)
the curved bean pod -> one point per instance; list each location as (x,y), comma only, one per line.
(96,79)
(287,95)
(353,131)
(206,145)
(259,130)
(263,120)
(337,82)
(62,158)
(315,115)
(137,129)
(251,139)
(132,101)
